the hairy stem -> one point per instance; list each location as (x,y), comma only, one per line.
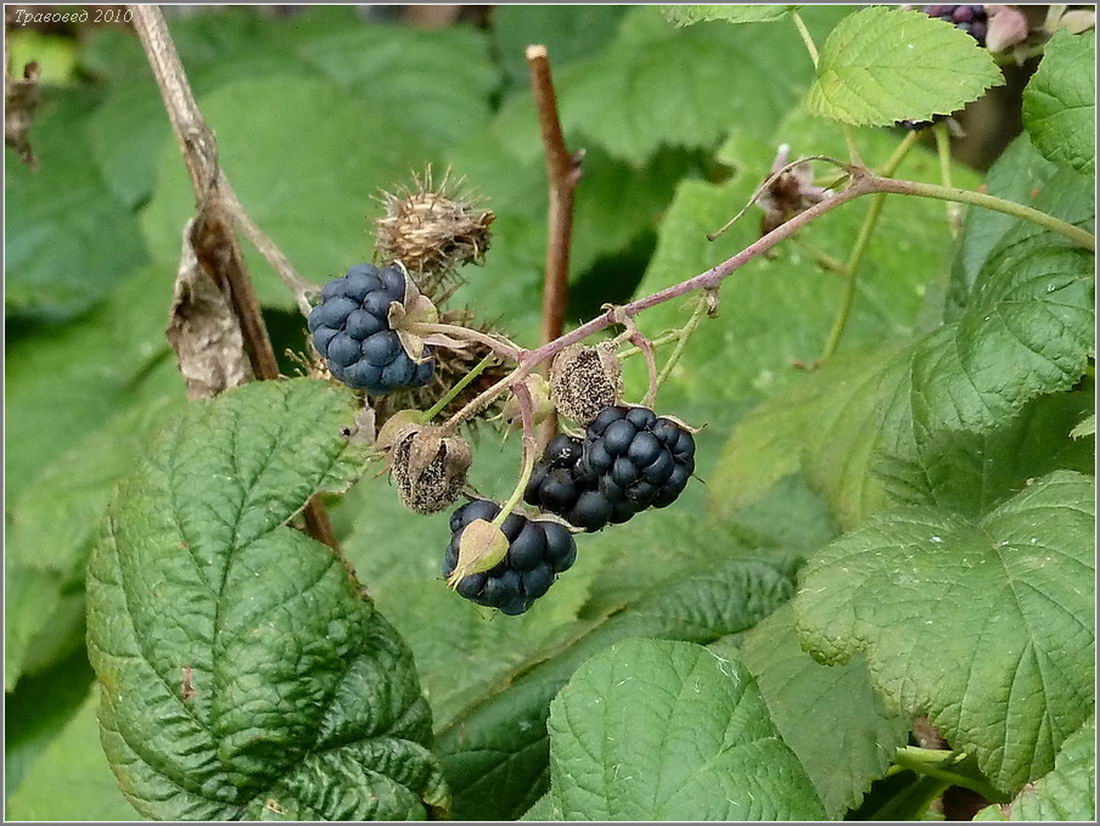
(213,198)
(643,344)
(943,149)
(949,767)
(864,182)
(682,340)
(804,33)
(966,196)
(527,463)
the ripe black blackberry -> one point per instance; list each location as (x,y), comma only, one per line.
(629,460)
(971,19)
(537,552)
(351,330)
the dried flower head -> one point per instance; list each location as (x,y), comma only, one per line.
(428,467)
(789,194)
(584,380)
(432,229)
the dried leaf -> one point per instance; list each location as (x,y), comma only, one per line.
(203,330)
(20,101)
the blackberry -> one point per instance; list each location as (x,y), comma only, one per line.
(629,460)
(971,19)
(351,330)
(537,552)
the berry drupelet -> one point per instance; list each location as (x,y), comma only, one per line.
(629,460)
(971,19)
(537,552)
(351,330)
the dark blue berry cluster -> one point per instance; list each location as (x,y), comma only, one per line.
(351,330)
(629,460)
(971,19)
(537,552)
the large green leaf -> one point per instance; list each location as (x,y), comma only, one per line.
(685,15)
(1028,331)
(79,399)
(774,440)
(495,755)
(1060,102)
(1068,792)
(984,626)
(970,473)
(242,671)
(663,730)
(69,239)
(883,65)
(822,712)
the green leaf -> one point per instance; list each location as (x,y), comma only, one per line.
(71,780)
(970,473)
(435,84)
(822,712)
(34,598)
(495,755)
(1068,792)
(1086,427)
(686,15)
(656,86)
(772,442)
(69,240)
(544,809)
(1060,102)
(1028,332)
(663,730)
(986,627)
(242,669)
(882,65)
(1019,175)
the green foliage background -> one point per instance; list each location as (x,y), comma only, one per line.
(930,422)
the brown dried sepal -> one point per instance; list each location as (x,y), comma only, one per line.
(414,308)
(428,467)
(584,380)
